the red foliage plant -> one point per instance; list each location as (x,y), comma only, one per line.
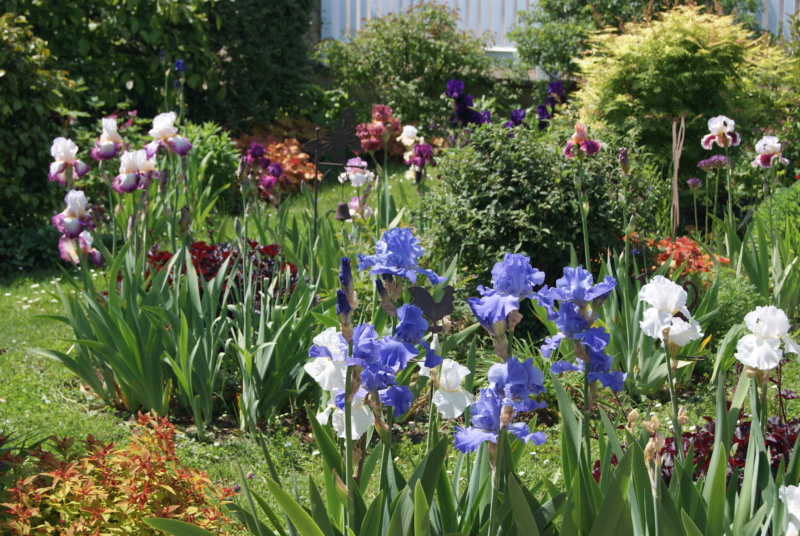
(109,489)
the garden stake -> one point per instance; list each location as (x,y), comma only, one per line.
(678,136)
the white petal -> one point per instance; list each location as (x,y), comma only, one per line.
(451,404)
(663,294)
(451,374)
(330,375)
(762,354)
(655,321)
(767,322)
(163,127)
(333,341)
(682,332)
(360,420)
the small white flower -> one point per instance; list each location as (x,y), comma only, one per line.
(409,136)
(668,310)
(761,349)
(450,398)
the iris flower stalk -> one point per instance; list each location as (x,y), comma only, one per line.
(579,147)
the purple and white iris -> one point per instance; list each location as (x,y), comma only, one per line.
(64,152)
(396,253)
(769,153)
(721,132)
(357,173)
(76,217)
(69,249)
(109,143)
(165,134)
(136,171)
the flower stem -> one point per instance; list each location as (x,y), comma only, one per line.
(586,410)
(676,425)
(348,441)
(581,201)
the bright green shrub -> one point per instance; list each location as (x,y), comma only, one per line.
(554,33)
(404,60)
(110,490)
(30,89)
(784,204)
(737,296)
(685,63)
(500,194)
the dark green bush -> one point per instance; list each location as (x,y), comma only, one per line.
(500,194)
(24,248)
(121,50)
(264,63)
(404,60)
(30,89)
(688,63)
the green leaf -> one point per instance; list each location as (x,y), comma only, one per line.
(177,527)
(614,515)
(300,518)
(422,522)
(327,446)
(526,524)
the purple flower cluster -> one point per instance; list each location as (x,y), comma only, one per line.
(555,96)
(256,156)
(717,161)
(464,112)
(578,300)
(422,156)
(517,117)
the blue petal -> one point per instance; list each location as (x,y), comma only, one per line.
(432,359)
(398,396)
(396,354)
(515,275)
(493,308)
(412,325)
(342,305)
(594,338)
(551,344)
(524,434)
(469,439)
(563,366)
(615,380)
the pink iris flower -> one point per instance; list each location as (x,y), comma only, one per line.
(580,144)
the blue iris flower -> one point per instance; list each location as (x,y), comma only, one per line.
(577,286)
(513,279)
(517,382)
(578,299)
(486,424)
(396,253)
